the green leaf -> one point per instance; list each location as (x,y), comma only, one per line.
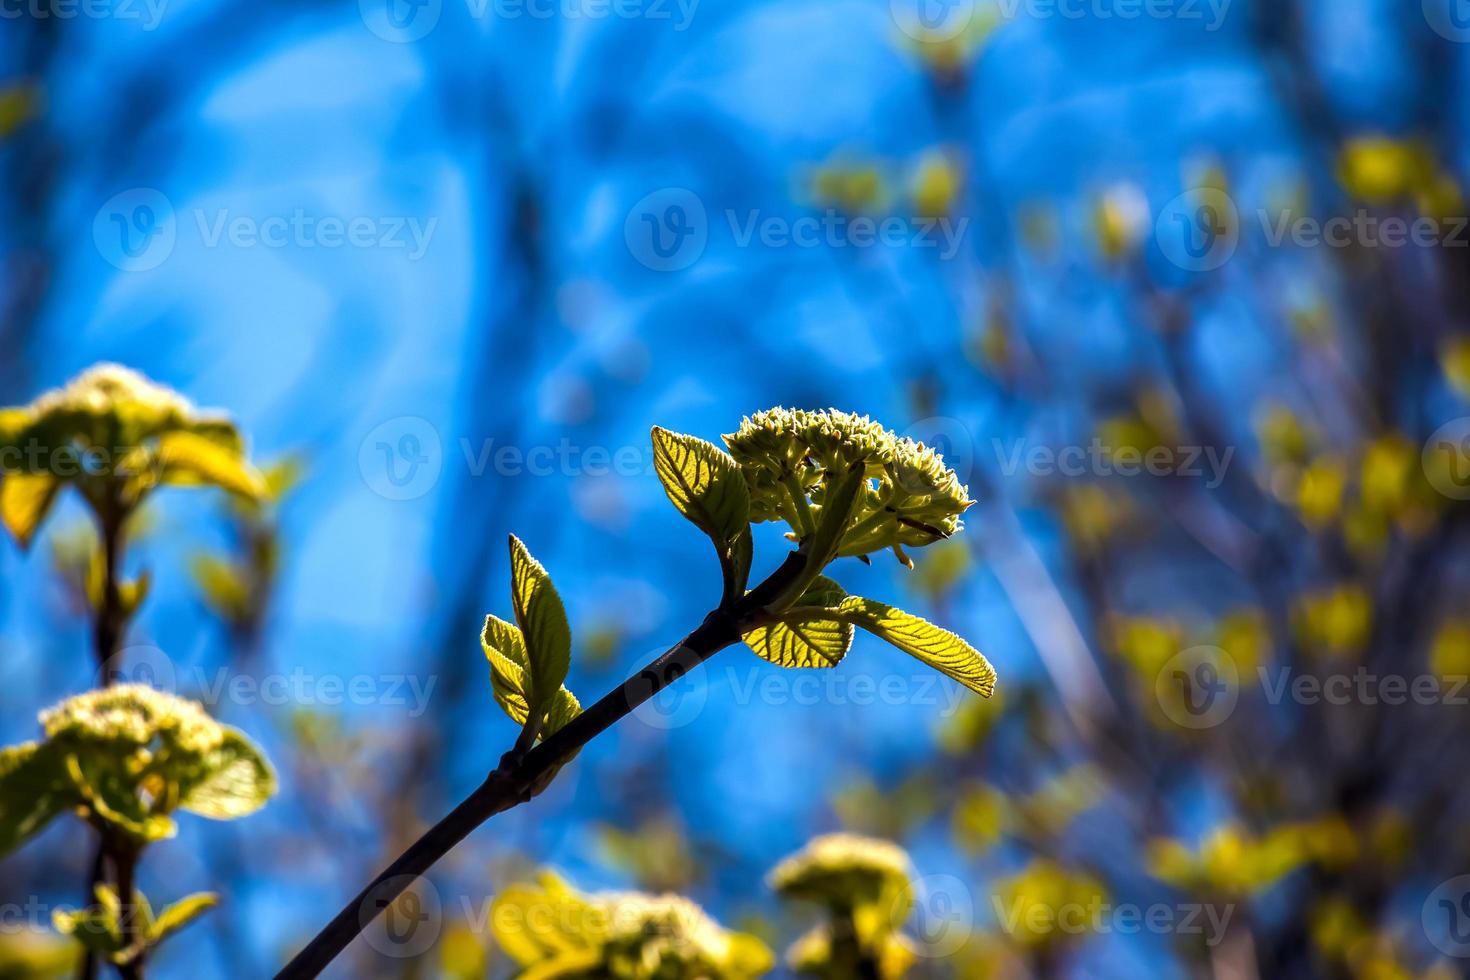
(131,594)
(838,502)
(737,569)
(95,927)
(543,623)
(704,483)
(801,640)
(34,788)
(192,459)
(234,780)
(108,787)
(939,648)
(25,500)
(180,914)
(505,649)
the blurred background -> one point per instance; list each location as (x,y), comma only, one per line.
(1179,287)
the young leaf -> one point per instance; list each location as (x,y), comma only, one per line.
(802,640)
(234,780)
(506,651)
(189,459)
(180,914)
(33,789)
(704,483)
(25,499)
(921,639)
(839,500)
(543,623)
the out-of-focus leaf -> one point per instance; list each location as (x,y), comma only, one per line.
(25,499)
(33,789)
(191,459)
(233,780)
(180,914)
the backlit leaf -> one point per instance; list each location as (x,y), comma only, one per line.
(704,483)
(25,499)
(180,914)
(190,459)
(939,648)
(543,622)
(234,780)
(33,789)
(803,641)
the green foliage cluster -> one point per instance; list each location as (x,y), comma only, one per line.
(557,933)
(864,885)
(124,758)
(844,485)
(115,436)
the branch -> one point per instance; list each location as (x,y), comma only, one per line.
(519,777)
